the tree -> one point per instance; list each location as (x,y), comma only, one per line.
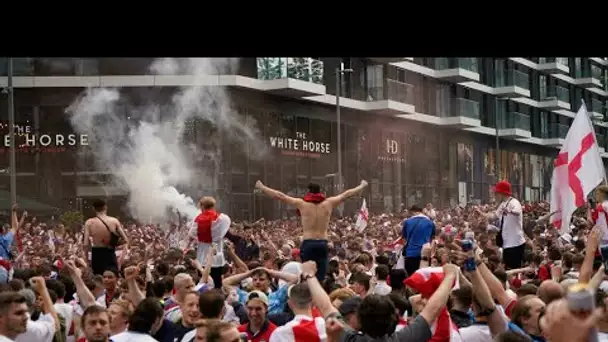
(71,219)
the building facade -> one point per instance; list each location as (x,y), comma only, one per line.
(417,129)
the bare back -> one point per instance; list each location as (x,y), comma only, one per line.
(98,231)
(315,219)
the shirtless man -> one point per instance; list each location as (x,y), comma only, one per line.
(105,232)
(315,211)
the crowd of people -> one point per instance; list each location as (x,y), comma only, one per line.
(493,272)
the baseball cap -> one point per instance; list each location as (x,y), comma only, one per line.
(349,306)
(259,295)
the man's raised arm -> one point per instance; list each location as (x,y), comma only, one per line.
(336,200)
(277,194)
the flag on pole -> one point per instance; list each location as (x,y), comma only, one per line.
(578,169)
(362,218)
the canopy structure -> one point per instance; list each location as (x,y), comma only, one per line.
(26,203)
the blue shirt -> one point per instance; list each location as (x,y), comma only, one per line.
(276,299)
(6,241)
(417,230)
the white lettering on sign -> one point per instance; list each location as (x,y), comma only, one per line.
(300,143)
(392,147)
(25,137)
(32,140)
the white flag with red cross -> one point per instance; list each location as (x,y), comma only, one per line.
(362,218)
(578,170)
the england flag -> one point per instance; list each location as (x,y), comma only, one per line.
(209,229)
(362,217)
(426,281)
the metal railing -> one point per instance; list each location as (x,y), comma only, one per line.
(299,68)
(514,120)
(465,107)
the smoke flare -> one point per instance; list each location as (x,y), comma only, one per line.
(143,145)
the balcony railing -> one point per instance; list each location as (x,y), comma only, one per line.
(562,61)
(597,106)
(514,120)
(556,92)
(559,60)
(467,63)
(391,90)
(592,71)
(465,107)
(400,92)
(558,131)
(51,66)
(601,142)
(513,78)
(299,68)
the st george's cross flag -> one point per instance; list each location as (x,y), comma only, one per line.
(362,218)
(426,281)
(209,228)
(578,169)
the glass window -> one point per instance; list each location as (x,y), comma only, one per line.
(375,82)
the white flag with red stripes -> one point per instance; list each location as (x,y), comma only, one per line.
(362,218)
(578,170)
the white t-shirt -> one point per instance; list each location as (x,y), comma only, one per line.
(189,336)
(130,336)
(480,332)
(476,333)
(41,330)
(5,339)
(601,221)
(512,227)
(602,337)
(67,312)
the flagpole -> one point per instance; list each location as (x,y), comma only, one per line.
(595,135)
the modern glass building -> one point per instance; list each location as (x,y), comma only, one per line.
(417,129)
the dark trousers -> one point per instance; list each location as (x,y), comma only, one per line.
(513,257)
(411,265)
(317,251)
(103,259)
(216,274)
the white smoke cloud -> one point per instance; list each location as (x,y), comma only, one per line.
(142,145)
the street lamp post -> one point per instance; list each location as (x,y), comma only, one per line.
(339,72)
(11,125)
(497,142)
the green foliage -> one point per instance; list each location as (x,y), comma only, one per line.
(71,218)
